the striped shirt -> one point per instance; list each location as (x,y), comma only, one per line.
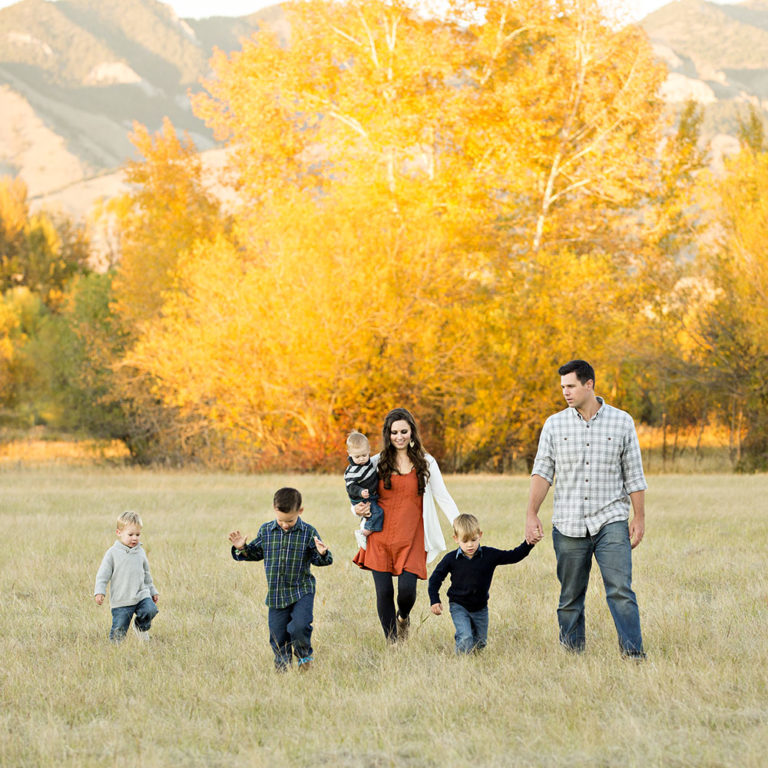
(597,463)
(287,556)
(361,476)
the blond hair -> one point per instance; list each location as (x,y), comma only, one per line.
(466,527)
(129,518)
(357,440)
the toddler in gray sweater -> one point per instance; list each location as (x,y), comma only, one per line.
(125,567)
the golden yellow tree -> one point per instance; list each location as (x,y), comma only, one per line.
(167,211)
(429,212)
(344,234)
(731,330)
(14,213)
(567,137)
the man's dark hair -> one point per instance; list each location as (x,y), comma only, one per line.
(287,500)
(583,370)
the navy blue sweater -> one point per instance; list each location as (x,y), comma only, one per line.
(471,578)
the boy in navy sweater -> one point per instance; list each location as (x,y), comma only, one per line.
(471,568)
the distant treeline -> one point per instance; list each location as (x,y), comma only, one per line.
(417,211)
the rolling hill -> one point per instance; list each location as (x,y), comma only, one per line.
(716,54)
(75,74)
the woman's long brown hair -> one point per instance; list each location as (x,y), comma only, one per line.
(388,456)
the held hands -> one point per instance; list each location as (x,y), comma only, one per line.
(534,533)
(321,548)
(155,598)
(437,609)
(237,540)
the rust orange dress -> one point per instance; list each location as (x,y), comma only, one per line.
(399,545)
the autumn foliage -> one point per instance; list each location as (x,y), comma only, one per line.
(433,210)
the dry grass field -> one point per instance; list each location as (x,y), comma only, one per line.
(203,692)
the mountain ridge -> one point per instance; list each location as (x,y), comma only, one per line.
(76,74)
(715,53)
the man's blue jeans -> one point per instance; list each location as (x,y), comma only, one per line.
(290,630)
(471,628)
(145,611)
(613,552)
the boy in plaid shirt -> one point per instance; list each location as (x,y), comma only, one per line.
(288,546)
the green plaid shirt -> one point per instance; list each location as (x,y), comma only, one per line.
(287,556)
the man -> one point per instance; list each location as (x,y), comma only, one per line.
(593,450)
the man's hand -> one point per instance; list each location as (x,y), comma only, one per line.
(99,599)
(437,609)
(637,526)
(534,532)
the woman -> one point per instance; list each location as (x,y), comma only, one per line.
(409,485)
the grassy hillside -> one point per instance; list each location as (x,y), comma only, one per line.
(203,692)
(722,36)
(76,74)
(68,39)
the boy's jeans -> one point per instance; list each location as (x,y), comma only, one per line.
(376,521)
(613,552)
(290,629)
(144,610)
(471,628)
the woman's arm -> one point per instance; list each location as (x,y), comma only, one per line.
(440,493)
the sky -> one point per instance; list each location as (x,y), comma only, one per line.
(201,8)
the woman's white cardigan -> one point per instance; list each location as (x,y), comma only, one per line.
(435,493)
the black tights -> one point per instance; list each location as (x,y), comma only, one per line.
(385,599)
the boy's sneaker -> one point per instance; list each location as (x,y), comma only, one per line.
(361,538)
(143,637)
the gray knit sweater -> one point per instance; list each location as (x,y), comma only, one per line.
(126,569)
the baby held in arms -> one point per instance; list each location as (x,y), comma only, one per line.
(362,482)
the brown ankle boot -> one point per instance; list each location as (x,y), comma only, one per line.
(402,627)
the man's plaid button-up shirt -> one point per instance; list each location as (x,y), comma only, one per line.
(287,556)
(596,463)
